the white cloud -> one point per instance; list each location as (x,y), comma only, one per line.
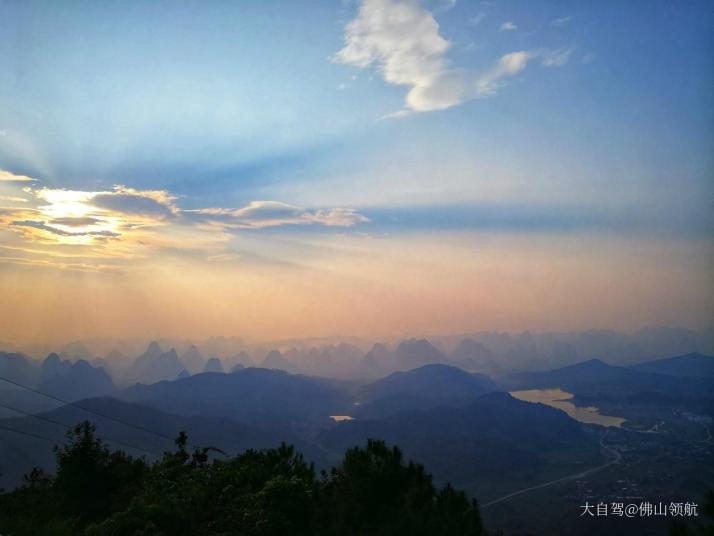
(6,176)
(508,26)
(402,40)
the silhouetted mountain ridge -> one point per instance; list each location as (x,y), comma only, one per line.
(79,380)
(253,395)
(693,365)
(155,365)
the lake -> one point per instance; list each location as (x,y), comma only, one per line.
(338,418)
(560,399)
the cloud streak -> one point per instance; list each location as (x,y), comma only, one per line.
(157,204)
(262,214)
(41,225)
(13,198)
(509,65)
(562,21)
(54,264)
(6,176)
(557,57)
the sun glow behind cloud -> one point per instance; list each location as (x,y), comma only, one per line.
(126,223)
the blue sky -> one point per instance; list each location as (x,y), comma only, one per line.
(151,94)
(498,117)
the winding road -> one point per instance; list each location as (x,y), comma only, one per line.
(616,459)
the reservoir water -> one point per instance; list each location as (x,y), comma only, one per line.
(560,399)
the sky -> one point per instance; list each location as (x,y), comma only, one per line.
(366,168)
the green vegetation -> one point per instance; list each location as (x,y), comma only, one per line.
(98,492)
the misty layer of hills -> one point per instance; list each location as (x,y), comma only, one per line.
(494,353)
(75,372)
(446,406)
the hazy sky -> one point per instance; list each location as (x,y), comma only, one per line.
(376,167)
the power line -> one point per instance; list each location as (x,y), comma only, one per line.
(67,426)
(28,434)
(75,405)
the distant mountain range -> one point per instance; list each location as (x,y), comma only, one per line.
(76,380)
(54,376)
(17,367)
(690,374)
(684,382)
(193,360)
(155,365)
(493,353)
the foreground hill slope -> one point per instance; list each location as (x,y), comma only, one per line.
(424,387)
(431,381)
(486,439)
(19,453)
